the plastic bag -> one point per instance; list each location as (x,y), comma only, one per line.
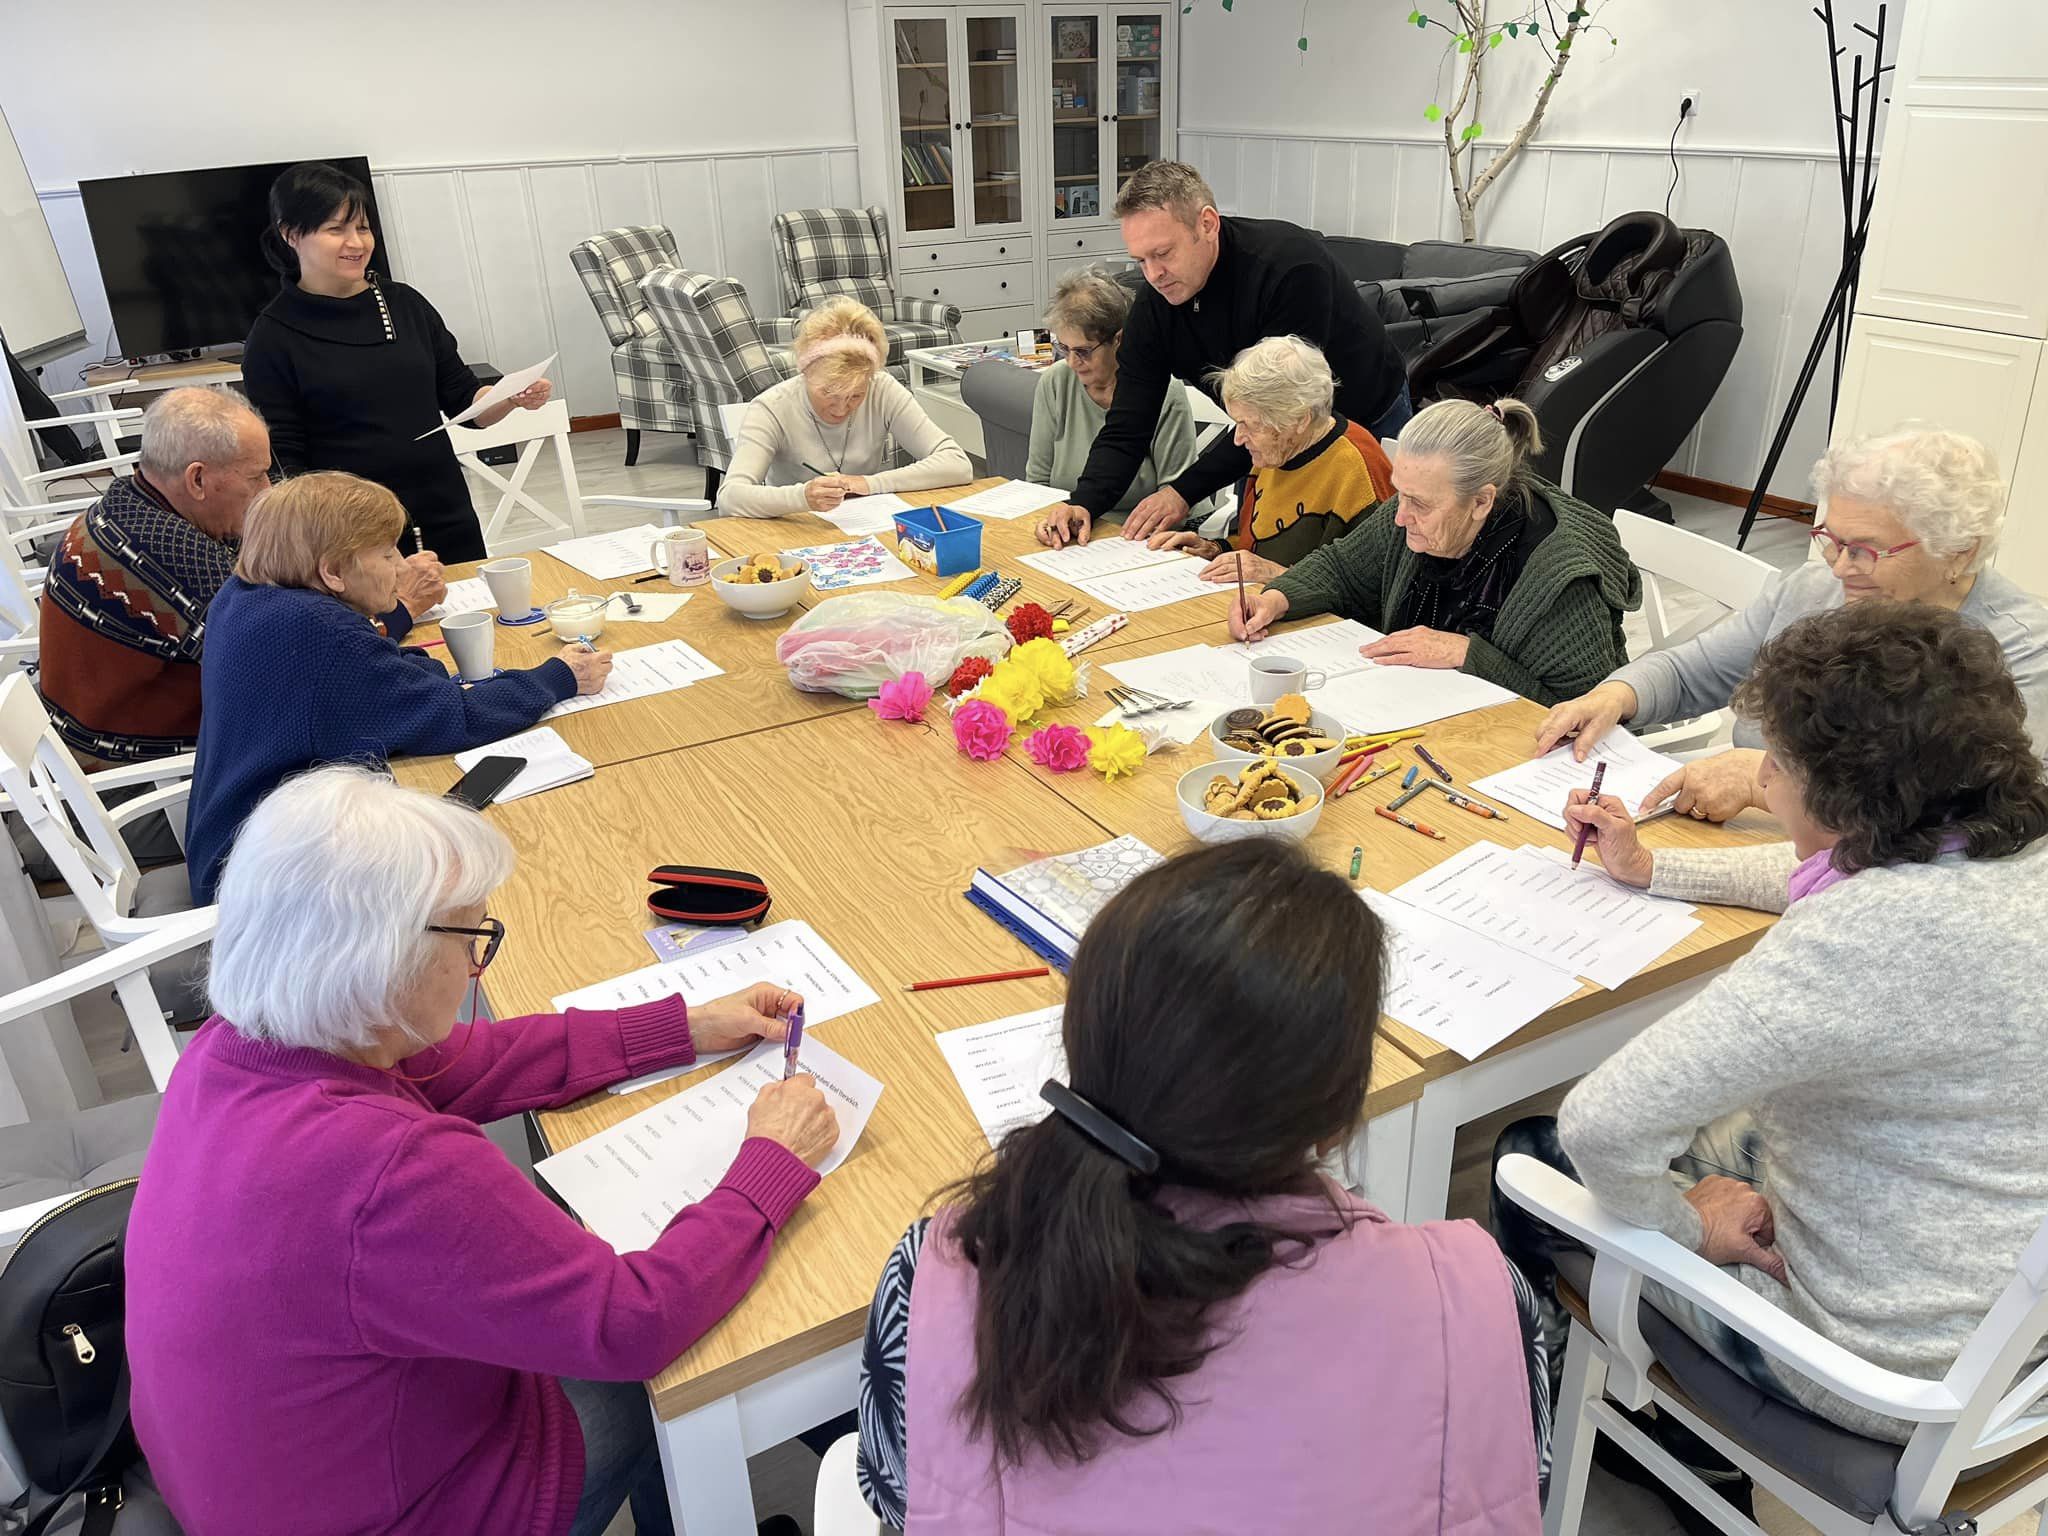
(853,644)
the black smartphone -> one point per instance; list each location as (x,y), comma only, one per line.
(479,787)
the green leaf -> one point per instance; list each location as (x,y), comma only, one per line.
(1421,20)
(1471,132)
(1493,41)
(1415,19)
(1464,42)
(1514,28)
(1564,45)
(1301,43)
(1433,112)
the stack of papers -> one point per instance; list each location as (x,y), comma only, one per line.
(1458,987)
(1124,575)
(1002,1065)
(629,1182)
(549,762)
(1541,787)
(1013,498)
(608,556)
(1050,902)
(1367,696)
(643,672)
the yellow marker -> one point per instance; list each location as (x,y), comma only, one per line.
(960,584)
(1383,739)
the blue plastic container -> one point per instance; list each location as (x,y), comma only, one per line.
(920,541)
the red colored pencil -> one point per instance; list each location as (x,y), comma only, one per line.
(1348,777)
(975,981)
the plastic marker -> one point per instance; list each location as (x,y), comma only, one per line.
(1467,803)
(1370,776)
(794,1039)
(1435,767)
(1586,827)
(1408,778)
(1406,795)
(1357,859)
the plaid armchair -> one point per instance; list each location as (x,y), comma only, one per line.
(730,355)
(653,385)
(821,252)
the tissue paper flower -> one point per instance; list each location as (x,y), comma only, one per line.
(1115,751)
(967,674)
(1058,747)
(1014,691)
(902,698)
(1028,621)
(1047,665)
(981,729)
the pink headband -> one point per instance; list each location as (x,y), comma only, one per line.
(1494,411)
(867,350)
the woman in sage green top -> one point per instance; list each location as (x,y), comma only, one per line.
(1087,320)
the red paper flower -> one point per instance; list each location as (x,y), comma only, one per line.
(969,673)
(981,730)
(1061,748)
(1028,621)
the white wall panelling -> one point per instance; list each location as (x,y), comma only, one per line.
(1779,211)
(489,244)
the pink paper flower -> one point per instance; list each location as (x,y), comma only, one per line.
(902,698)
(982,730)
(1061,748)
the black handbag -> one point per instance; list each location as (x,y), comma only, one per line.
(64,1356)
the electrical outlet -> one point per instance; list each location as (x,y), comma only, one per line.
(1692,94)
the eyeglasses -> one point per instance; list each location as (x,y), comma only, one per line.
(1081,355)
(1862,557)
(492,933)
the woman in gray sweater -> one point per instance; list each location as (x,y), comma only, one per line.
(1914,516)
(1858,1097)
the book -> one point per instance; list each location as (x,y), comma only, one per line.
(1049,902)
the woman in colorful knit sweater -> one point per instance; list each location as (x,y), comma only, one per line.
(1314,474)
(1476,564)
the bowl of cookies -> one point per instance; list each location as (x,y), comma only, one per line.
(1263,798)
(1286,731)
(760,586)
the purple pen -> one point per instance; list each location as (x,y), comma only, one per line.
(792,1042)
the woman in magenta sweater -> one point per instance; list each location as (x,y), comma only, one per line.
(347,1311)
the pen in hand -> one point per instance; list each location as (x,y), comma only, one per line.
(1586,827)
(791,1042)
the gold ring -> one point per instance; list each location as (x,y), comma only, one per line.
(1698,814)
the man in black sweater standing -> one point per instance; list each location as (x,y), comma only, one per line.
(1214,286)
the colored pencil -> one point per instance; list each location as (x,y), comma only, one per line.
(975,981)
(1467,803)
(1352,757)
(1243,608)
(1357,859)
(1344,780)
(1412,793)
(1434,766)
(939,517)
(1586,827)
(1371,776)
(1412,826)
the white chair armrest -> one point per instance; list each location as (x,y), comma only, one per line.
(673,509)
(81,471)
(1620,1246)
(167,936)
(159,770)
(148,805)
(64,510)
(124,413)
(39,531)
(94,391)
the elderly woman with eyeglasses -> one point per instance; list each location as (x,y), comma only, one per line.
(347,1311)
(1913,516)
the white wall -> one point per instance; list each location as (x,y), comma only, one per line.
(1336,138)
(500,135)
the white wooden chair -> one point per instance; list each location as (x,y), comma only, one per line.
(1978,1457)
(1725,575)
(20,613)
(840,1510)
(23,482)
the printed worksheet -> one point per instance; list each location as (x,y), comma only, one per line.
(549,762)
(1593,928)
(857,563)
(1458,987)
(643,672)
(866,514)
(1176,579)
(608,556)
(470,595)
(1076,563)
(1011,499)
(1327,648)
(1541,786)
(629,1182)
(1001,1066)
(1365,695)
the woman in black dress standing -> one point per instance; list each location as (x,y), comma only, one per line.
(349,368)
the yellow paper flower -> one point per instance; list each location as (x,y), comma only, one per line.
(1115,751)
(1047,665)
(1014,691)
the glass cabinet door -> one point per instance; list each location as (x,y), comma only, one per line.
(924,122)
(1078,113)
(1136,113)
(995,133)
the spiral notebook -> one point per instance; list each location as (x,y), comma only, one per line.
(1049,902)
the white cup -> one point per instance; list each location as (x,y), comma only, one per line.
(1275,675)
(472,642)
(683,555)
(511,584)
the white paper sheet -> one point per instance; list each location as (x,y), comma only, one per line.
(1175,580)
(1377,698)
(643,672)
(789,954)
(1001,1066)
(866,514)
(1460,988)
(1075,563)
(497,394)
(1331,648)
(1590,926)
(549,762)
(609,556)
(655,607)
(1210,677)
(470,595)
(1541,786)
(1011,499)
(627,1183)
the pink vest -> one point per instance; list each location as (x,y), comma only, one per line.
(1380,1387)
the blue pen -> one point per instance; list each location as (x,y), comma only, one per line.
(794,1039)
(1408,778)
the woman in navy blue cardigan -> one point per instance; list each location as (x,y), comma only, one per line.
(300,670)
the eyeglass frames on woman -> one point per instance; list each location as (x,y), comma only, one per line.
(1862,557)
(492,932)
(1061,352)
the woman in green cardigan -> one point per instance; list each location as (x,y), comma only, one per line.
(1475,564)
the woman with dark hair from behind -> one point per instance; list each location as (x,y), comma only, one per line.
(1152,1312)
(350,369)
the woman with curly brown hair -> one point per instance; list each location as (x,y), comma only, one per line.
(1861,1090)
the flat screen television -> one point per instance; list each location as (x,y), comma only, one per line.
(180,251)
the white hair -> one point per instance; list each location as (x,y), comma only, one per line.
(1943,486)
(1285,379)
(325,901)
(194,425)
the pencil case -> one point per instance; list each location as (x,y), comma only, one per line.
(691,893)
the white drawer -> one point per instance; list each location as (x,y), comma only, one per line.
(998,324)
(1102,240)
(976,287)
(912,259)
(1057,267)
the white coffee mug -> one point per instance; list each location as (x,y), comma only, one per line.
(683,555)
(511,584)
(472,641)
(1275,675)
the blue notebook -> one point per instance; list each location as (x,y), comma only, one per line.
(1050,902)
